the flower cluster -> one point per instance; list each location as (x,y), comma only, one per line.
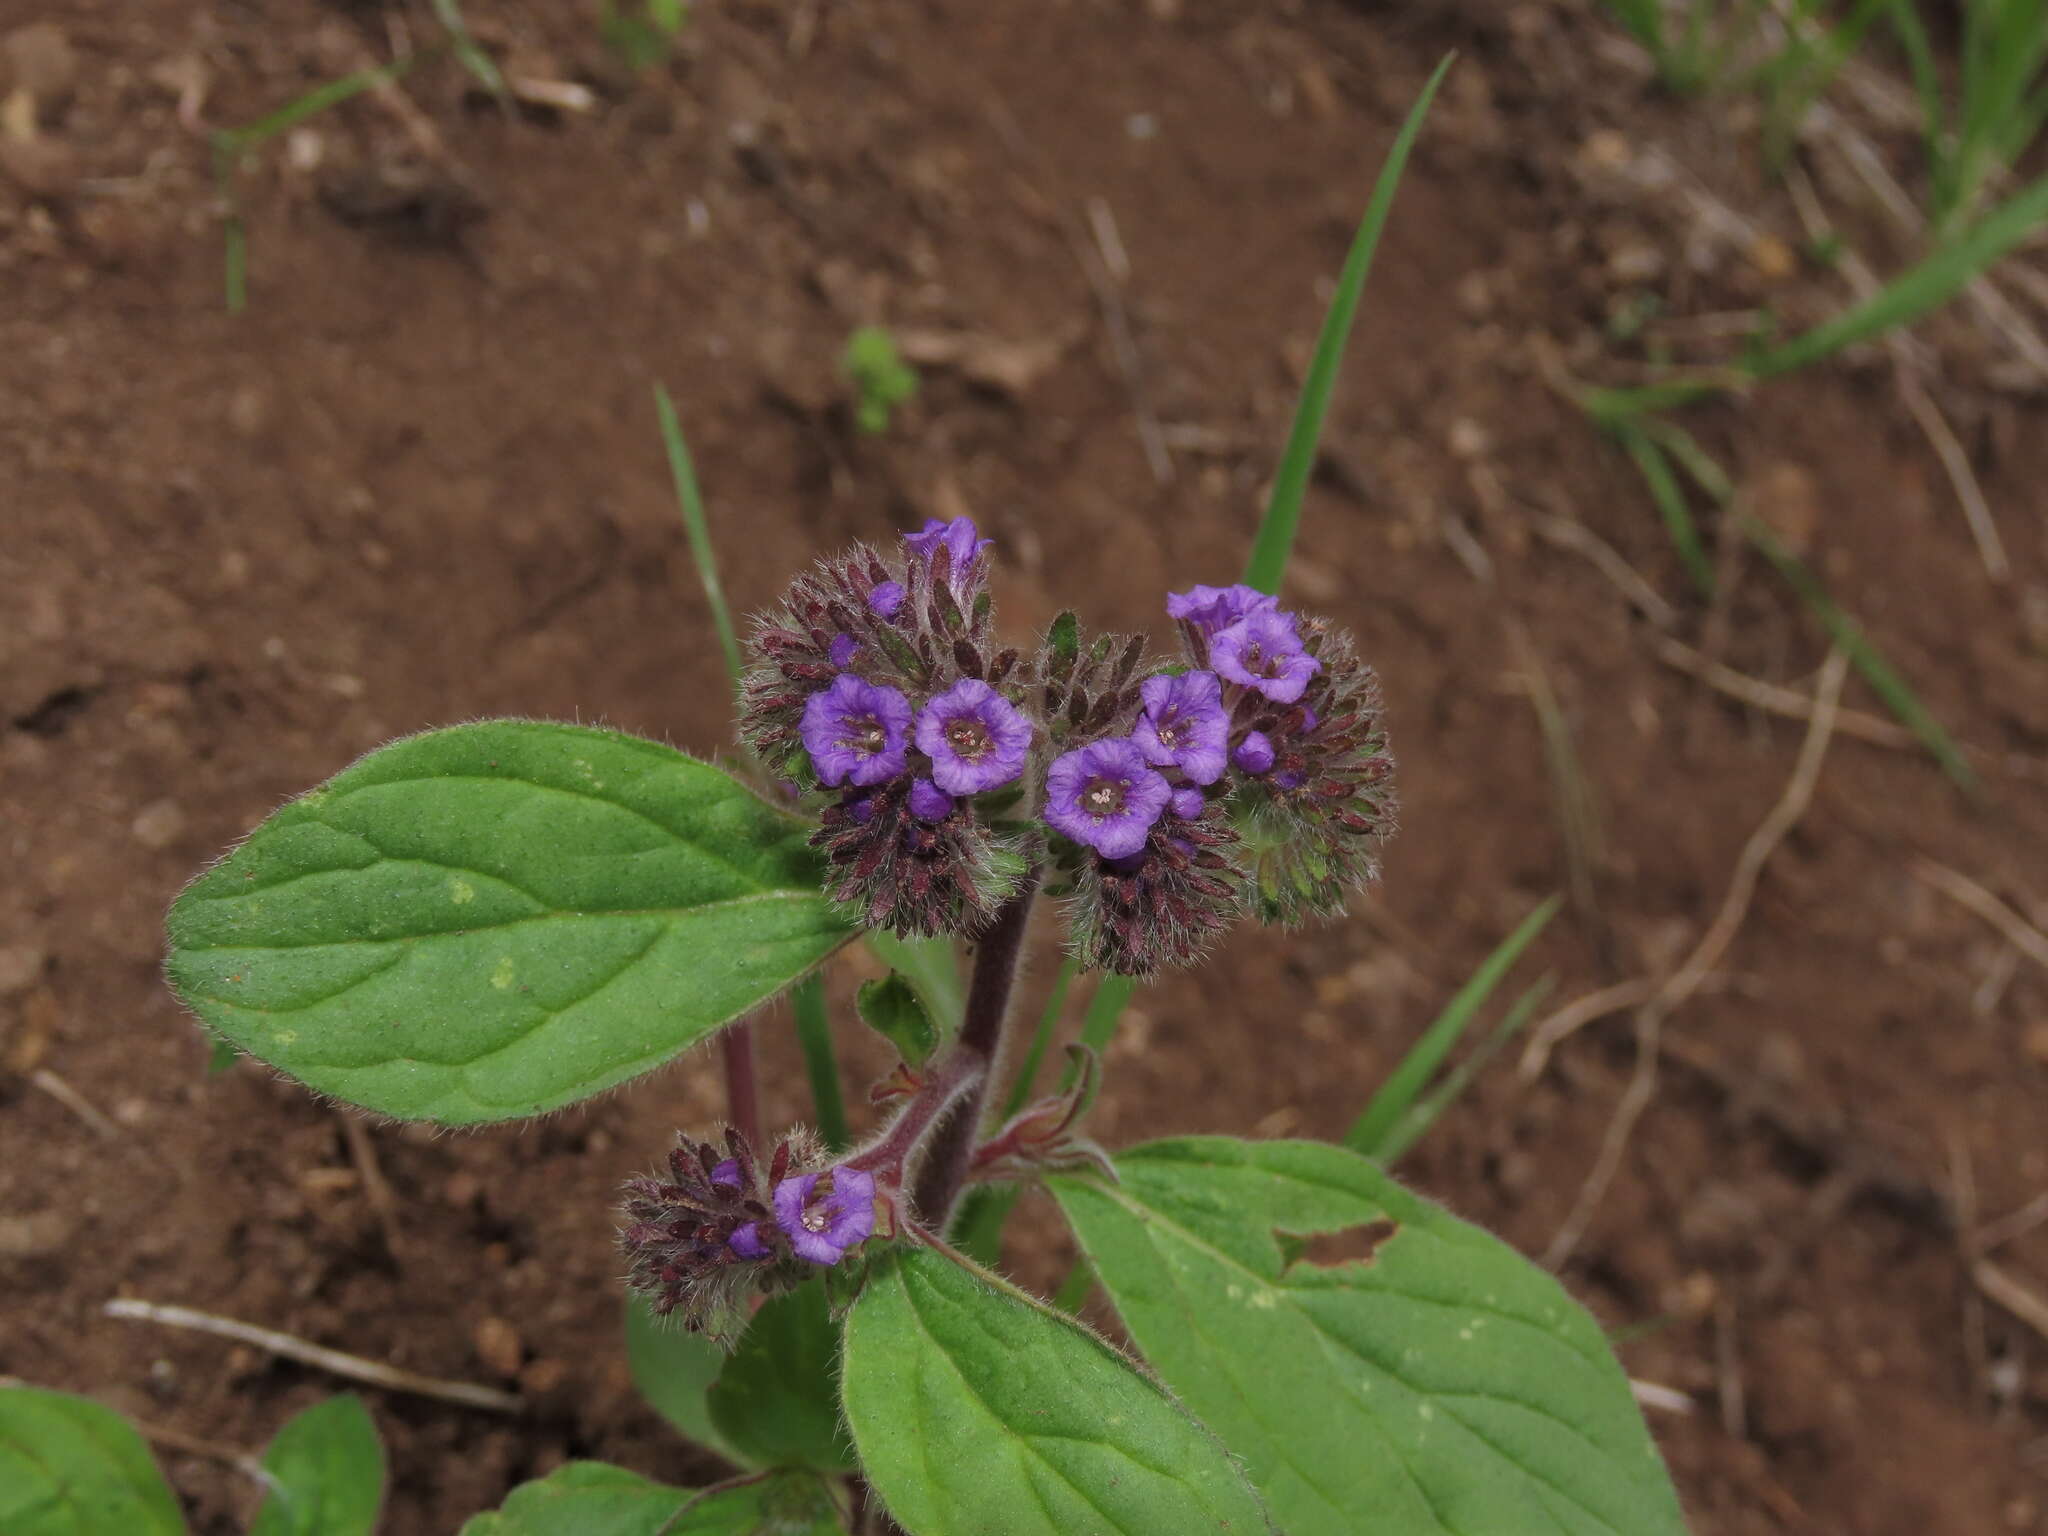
(1252,777)
(723,1227)
(877,680)
(1248,775)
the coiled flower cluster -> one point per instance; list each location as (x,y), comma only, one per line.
(723,1227)
(1247,776)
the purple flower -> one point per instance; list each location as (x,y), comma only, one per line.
(1184,725)
(856,731)
(1106,796)
(1188,803)
(746,1242)
(844,647)
(727,1173)
(887,598)
(928,802)
(958,538)
(823,1230)
(974,736)
(1255,753)
(1262,651)
(1212,608)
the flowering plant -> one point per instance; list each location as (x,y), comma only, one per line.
(500,919)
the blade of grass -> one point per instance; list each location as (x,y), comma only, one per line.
(1048,1022)
(1275,539)
(1669,496)
(694,525)
(1404,1085)
(1863,653)
(1426,1110)
(1098,1025)
(314,102)
(473,58)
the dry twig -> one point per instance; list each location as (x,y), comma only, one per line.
(74,1101)
(354,1367)
(1706,954)
(2019,933)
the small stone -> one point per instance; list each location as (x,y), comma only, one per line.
(1469,440)
(542,1376)
(159,825)
(30,1237)
(462,1189)
(41,61)
(20,965)
(498,1347)
(1773,259)
(2035,1041)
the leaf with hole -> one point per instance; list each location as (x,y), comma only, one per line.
(69,1467)
(980,1411)
(499,919)
(328,1469)
(1409,1375)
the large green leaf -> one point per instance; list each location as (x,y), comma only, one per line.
(1411,1377)
(775,1401)
(69,1467)
(329,1469)
(499,919)
(979,1411)
(674,1369)
(592,1498)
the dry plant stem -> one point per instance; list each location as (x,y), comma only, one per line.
(1686,980)
(742,1087)
(74,1101)
(354,1367)
(2025,1304)
(2018,932)
(981,1041)
(193,1445)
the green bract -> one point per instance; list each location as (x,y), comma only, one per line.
(69,1467)
(500,919)
(980,1411)
(774,1401)
(1438,1382)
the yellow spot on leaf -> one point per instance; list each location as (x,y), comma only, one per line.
(501,978)
(460,890)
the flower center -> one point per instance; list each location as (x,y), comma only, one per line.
(864,733)
(1104,797)
(814,1219)
(1168,730)
(968,736)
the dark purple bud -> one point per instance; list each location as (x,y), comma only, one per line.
(928,802)
(1254,754)
(844,649)
(887,598)
(1188,803)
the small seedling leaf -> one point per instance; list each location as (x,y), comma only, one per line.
(496,920)
(890,1007)
(1414,1376)
(976,1407)
(69,1467)
(329,1469)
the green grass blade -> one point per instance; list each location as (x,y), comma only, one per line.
(1898,696)
(314,102)
(1669,496)
(1275,539)
(692,503)
(1098,1025)
(1048,1022)
(1404,1085)
(1925,287)
(1429,1108)
(473,58)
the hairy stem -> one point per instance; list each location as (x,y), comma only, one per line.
(742,1088)
(981,1041)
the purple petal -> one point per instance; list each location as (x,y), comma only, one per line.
(887,598)
(1188,803)
(928,802)
(746,1242)
(727,1173)
(1255,753)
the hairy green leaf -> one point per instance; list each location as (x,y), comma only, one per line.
(774,1400)
(329,1467)
(69,1467)
(593,1498)
(891,1008)
(1408,1375)
(674,1369)
(499,919)
(980,1411)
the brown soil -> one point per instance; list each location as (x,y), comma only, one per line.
(418,482)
